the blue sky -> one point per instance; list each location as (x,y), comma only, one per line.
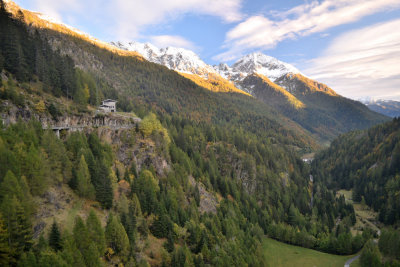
(351,45)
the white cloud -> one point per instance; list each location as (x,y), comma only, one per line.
(127,19)
(134,15)
(171,40)
(52,8)
(362,62)
(260,32)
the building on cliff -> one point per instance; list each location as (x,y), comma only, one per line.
(108,105)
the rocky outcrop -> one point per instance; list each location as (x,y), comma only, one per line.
(11,114)
(208,202)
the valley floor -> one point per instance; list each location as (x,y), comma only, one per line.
(281,254)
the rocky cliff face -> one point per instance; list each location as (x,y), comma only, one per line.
(11,114)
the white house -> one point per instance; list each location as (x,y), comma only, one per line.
(108,105)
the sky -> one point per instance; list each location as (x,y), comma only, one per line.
(353,46)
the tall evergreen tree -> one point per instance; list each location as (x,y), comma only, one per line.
(116,236)
(34,171)
(4,246)
(370,255)
(24,232)
(83,182)
(83,242)
(96,232)
(55,237)
(102,184)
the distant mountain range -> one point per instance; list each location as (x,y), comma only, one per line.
(389,108)
(313,105)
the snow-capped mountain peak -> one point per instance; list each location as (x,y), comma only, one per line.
(264,65)
(187,61)
(174,58)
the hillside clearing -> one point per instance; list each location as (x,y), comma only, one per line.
(366,217)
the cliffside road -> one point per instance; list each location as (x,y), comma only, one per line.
(347,264)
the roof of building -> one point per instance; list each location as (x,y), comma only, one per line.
(109,100)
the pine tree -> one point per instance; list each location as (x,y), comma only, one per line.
(116,236)
(146,188)
(51,259)
(102,184)
(55,237)
(96,232)
(28,260)
(83,182)
(4,246)
(70,253)
(370,255)
(129,221)
(169,245)
(34,171)
(24,233)
(18,226)
(83,242)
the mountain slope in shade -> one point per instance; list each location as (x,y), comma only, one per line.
(389,108)
(313,105)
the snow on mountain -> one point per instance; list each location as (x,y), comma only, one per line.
(178,59)
(256,63)
(389,108)
(186,61)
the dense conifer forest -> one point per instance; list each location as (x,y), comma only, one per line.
(245,162)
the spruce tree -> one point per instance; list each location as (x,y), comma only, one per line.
(83,242)
(24,232)
(28,260)
(116,236)
(169,245)
(19,229)
(34,171)
(103,186)
(55,237)
(96,232)
(10,186)
(84,186)
(370,255)
(4,246)
(70,253)
(129,221)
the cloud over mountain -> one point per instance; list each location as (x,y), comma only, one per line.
(362,62)
(262,32)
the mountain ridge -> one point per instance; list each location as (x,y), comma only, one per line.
(389,108)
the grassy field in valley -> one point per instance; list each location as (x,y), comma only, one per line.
(281,254)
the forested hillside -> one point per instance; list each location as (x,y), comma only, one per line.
(368,162)
(199,181)
(325,112)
